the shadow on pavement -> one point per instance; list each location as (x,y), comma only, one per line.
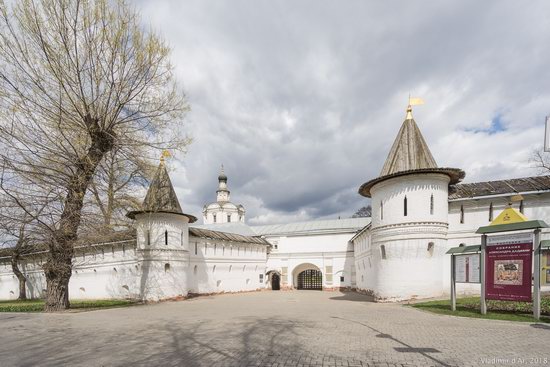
(353,296)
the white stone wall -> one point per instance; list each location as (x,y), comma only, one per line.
(409,270)
(221,266)
(153,267)
(406,250)
(331,253)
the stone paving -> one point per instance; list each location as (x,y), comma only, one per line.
(292,328)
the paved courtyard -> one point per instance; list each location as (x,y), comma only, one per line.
(297,328)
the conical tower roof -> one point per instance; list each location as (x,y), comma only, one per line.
(161,196)
(410,154)
(409,150)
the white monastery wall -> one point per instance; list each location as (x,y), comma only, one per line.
(220,266)
(158,265)
(331,253)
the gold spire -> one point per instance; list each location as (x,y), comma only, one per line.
(165,154)
(409,113)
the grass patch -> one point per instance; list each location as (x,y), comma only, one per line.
(37,305)
(496,310)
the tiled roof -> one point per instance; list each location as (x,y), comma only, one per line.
(233,227)
(207,233)
(488,188)
(331,225)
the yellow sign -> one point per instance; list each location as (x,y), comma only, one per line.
(509,215)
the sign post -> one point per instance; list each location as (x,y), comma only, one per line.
(465,268)
(483,280)
(536,285)
(507,260)
(453,284)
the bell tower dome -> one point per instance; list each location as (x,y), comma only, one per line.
(223,210)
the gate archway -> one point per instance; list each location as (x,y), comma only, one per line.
(310,279)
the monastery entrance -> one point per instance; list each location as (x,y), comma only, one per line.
(310,279)
(275,282)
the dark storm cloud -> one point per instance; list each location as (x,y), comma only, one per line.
(301,101)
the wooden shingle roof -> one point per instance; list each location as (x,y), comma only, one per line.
(409,151)
(408,155)
(500,187)
(161,196)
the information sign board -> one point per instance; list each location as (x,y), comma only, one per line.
(508,267)
(467,268)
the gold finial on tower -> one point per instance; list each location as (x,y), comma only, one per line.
(165,154)
(412,102)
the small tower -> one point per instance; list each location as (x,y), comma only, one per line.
(223,210)
(222,192)
(409,218)
(162,240)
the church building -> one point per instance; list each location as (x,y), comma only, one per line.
(419,211)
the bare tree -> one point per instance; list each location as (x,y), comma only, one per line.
(365,211)
(78,78)
(540,160)
(116,189)
(18,234)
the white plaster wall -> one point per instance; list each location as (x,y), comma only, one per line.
(100,272)
(313,251)
(410,269)
(221,266)
(418,189)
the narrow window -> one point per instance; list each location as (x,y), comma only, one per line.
(228,218)
(230,267)
(521,207)
(166,268)
(123,250)
(148,240)
(382,252)
(491,212)
(215,248)
(181,238)
(214,269)
(195,248)
(462,214)
(223,249)
(431,248)
(166,237)
(205,248)
(405,206)
(381,210)
(432,204)
(195,270)
(214,218)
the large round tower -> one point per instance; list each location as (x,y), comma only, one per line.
(409,218)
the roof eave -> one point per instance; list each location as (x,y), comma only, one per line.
(455,174)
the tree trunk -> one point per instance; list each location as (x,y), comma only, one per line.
(58,273)
(20,276)
(58,268)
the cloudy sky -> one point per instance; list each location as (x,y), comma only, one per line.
(301,100)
